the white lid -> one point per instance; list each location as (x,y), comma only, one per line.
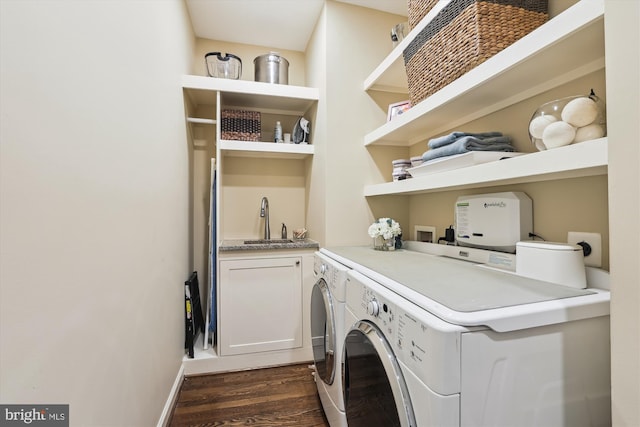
(555,246)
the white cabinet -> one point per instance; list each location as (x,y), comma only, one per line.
(573,42)
(260,305)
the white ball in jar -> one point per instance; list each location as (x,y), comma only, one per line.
(538,125)
(558,134)
(589,132)
(580,112)
(539,144)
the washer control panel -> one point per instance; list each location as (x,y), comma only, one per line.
(334,273)
(427,345)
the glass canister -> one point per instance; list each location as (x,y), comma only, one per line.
(568,121)
(225,66)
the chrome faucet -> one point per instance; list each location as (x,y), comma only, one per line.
(264,213)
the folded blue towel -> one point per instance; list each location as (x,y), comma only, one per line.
(467,144)
(452,137)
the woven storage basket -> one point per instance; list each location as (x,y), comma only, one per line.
(418,9)
(464,34)
(240,125)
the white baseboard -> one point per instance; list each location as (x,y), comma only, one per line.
(208,362)
(165,417)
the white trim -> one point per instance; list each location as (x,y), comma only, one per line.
(165,417)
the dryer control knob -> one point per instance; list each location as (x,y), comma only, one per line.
(373,308)
(323,268)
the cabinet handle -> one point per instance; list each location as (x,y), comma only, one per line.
(297,262)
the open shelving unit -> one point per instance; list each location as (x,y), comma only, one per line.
(572,41)
(254,96)
(514,74)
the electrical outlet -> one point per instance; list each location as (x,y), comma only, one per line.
(594,259)
(425,233)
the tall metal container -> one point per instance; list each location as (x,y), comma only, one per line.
(271,68)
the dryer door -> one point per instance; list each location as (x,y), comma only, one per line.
(323,331)
(374,387)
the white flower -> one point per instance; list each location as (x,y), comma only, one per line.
(385,227)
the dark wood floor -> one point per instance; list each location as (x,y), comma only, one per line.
(281,396)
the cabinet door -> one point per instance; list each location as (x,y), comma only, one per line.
(260,305)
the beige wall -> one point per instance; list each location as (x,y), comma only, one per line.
(316,60)
(93,214)
(246,181)
(623,69)
(357,40)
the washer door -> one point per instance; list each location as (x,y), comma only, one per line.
(323,331)
(374,387)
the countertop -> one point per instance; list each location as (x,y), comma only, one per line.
(468,294)
(459,285)
(240,245)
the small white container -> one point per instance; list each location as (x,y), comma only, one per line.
(559,263)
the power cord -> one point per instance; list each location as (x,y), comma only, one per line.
(586,248)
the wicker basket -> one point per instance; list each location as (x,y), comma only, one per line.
(240,125)
(418,9)
(464,34)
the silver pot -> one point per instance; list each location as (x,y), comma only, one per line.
(271,68)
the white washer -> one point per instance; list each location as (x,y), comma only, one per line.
(405,365)
(327,335)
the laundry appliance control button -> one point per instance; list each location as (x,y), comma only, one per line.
(373,308)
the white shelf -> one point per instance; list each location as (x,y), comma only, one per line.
(265,149)
(587,158)
(573,42)
(250,95)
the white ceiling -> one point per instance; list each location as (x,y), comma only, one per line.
(279,24)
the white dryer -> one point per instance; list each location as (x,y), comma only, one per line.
(327,334)
(407,363)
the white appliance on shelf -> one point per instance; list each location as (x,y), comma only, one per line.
(437,341)
(493,221)
(327,335)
